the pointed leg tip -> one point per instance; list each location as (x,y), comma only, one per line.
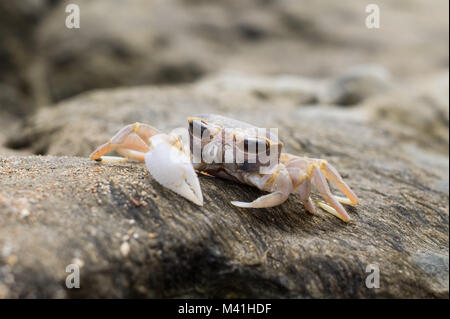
(240,204)
(93,157)
(345,219)
(341,215)
(310,211)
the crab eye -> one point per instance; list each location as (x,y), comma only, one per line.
(199,128)
(204,131)
(255,145)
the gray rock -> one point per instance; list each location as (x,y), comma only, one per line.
(356,84)
(293,88)
(134,238)
(141,42)
(420,106)
(20,84)
(9,126)
(436,266)
(146,41)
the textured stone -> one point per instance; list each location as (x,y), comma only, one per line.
(55,211)
(356,84)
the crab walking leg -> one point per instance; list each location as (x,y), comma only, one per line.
(279,184)
(170,166)
(334,206)
(305,191)
(302,169)
(131,141)
(269,200)
(331,173)
(129,154)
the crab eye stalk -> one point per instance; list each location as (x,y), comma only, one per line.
(255,145)
(199,128)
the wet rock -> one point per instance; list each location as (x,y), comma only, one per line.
(133,238)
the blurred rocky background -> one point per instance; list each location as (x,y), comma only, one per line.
(137,42)
(374,101)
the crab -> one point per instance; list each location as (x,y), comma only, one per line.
(234,150)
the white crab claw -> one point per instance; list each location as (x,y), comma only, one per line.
(172,167)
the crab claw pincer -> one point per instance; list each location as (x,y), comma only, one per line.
(170,165)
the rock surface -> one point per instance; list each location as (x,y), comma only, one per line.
(356,84)
(133,238)
(22,87)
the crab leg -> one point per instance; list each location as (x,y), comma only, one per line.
(305,191)
(269,200)
(279,185)
(132,141)
(130,154)
(163,155)
(334,206)
(331,173)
